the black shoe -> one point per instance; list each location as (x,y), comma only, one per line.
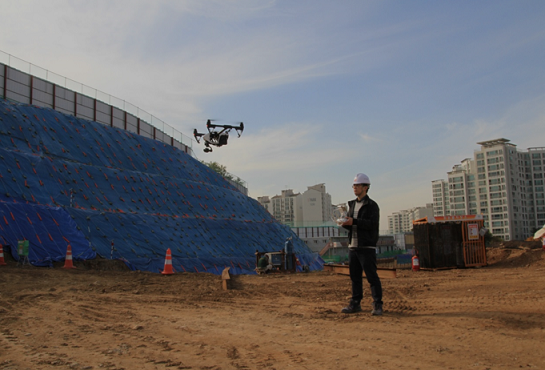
(377,309)
(352,307)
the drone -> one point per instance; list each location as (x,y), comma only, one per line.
(214,137)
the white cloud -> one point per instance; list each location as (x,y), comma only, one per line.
(367,138)
(284,148)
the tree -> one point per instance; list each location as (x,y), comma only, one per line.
(219,168)
(491,240)
(222,170)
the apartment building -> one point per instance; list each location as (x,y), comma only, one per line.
(265,203)
(503,184)
(441,205)
(308,214)
(402,221)
(310,208)
(314,207)
(283,206)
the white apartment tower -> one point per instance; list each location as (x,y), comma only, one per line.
(266,203)
(402,221)
(441,205)
(314,206)
(502,184)
(284,206)
(311,208)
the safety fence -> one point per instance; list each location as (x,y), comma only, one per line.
(27,83)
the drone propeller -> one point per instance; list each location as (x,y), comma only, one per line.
(210,120)
(197,135)
(240,129)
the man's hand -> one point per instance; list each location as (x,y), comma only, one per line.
(348,222)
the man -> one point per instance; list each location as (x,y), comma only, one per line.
(362,225)
(288,250)
(263,265)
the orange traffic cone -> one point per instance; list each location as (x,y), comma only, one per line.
(2,262)
(68,261)
(168,264)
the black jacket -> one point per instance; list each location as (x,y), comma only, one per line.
(366,222)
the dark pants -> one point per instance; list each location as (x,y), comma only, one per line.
(360,261)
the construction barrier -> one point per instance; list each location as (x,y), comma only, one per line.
(168,270)
(68,260)
(2,262)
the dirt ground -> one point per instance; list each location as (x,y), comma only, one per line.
(99,316)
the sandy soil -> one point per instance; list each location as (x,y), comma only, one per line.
(482,318)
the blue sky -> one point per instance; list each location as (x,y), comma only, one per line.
(399,90)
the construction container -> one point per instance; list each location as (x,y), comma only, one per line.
(450,241)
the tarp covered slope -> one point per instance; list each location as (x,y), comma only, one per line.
(108,192)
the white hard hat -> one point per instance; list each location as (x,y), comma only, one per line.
(362,178)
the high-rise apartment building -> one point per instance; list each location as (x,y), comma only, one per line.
(314,207)
(402,221)
(308,214)
(310,208)
(266,203)
(441,205)
(501,183)
(284,206)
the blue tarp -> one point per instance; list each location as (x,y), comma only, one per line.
(108,192)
